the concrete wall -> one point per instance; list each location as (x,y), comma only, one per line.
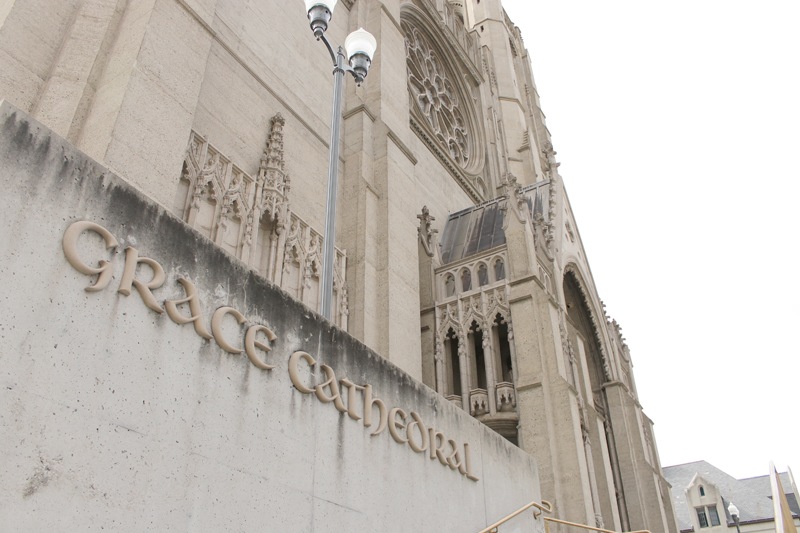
(114,416)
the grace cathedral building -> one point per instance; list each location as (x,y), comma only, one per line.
(457,254)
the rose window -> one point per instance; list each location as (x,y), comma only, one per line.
(435,95)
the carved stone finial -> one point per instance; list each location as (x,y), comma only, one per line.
(273,153)
(426,231)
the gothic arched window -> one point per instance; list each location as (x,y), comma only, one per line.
(499,270)
(466,280)
(483,275)
(449,286)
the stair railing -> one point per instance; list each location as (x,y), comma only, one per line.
(547,507)
(583,526)
(544,506)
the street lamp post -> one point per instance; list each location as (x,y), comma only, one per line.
(360,46)
(734,512)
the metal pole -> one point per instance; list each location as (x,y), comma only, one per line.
(333,176)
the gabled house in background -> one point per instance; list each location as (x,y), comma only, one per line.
(702,493)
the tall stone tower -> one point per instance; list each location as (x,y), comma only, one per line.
(458,257)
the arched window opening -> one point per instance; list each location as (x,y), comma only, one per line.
(582,334)
(454,375)
(505,368)
(581,320)
(480,359)
(702,491)
(466,280)
(499,270)
(449,286)
(483,275)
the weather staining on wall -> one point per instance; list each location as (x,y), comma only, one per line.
(417,435)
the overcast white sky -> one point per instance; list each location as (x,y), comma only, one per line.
(678,128)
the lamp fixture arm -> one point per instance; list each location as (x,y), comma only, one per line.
(336,65)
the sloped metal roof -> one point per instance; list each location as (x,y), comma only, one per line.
(479,228)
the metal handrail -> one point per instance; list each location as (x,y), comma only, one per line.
(548,509)
(583,526)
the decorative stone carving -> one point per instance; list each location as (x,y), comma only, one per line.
(543,235)
(247,217)
(436,95)
(230,196)
(294,247)
(274,184)
(506,397)
(549,163)
(426,232)
(313,261)
(496,303)
(478,402)
(516,197)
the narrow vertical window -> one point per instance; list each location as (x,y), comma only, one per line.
(499,270)
(483,275)
(455,363)
(449,286)
(702,491)
(713,515)
(701,517)
(480,359)
(466,281)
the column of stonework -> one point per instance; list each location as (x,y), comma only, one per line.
(644,505)
(59,102)
(488,357)
(221,219)
(379,226)
(430,319)
(550,427)
(513,351)
(277,244)
(141,115)
(441,386)
(584,393)
(463,358)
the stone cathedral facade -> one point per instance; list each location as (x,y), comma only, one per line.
(458,258)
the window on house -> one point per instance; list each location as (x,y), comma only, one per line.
(701,516)
(713,515)
(702,491)
(708,516)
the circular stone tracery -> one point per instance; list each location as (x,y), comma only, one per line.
(435,95)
